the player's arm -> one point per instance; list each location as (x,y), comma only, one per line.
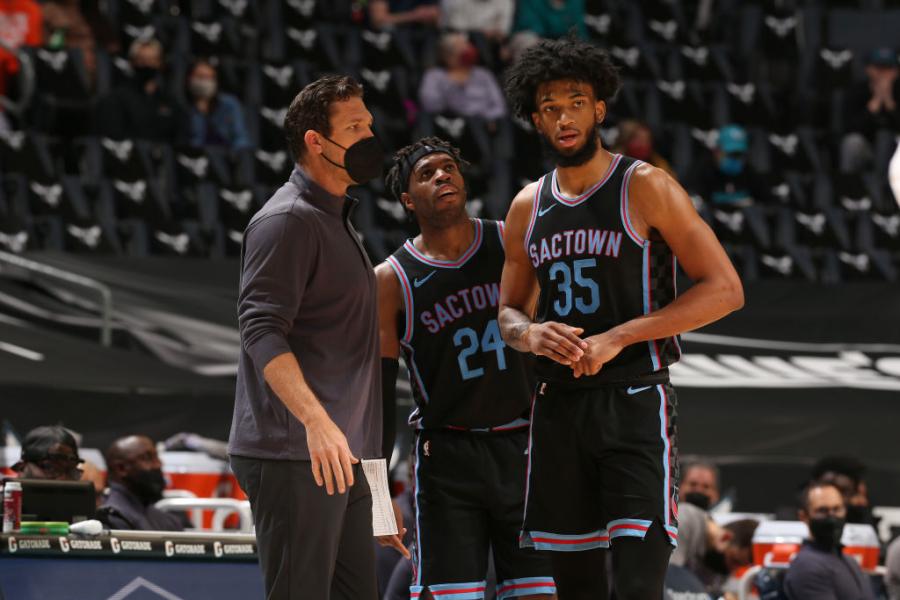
(659,203)
(390,305)
(519,292)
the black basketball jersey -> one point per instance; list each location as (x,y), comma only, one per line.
(595,272)
(462,373)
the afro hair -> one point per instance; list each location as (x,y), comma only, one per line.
(554,60)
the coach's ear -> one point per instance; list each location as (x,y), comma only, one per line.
(313,141)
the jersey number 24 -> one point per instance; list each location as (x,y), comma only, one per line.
(468,339)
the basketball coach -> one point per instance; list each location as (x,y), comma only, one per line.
(307,404)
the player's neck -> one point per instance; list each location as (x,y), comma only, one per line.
(446,243)
(574,181)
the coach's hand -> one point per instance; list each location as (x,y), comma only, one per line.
(332,461)
(396,541)
(601,349)
(556,341)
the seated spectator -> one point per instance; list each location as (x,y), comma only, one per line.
(847,474)
(143,108)
(699,484)
(136,483)
(536,19)
(821,571)
(216,118)
(49,452)
(21,24)
(493,18)
(723,177)
(892,566)
(636,140)
(385,14)
(871,106)
(79,24)
(701,546)
(459,86)
(738,553)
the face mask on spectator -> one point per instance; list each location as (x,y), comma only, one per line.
(468,57)
(731,164)
(698,499)
(145,75)
(639,149)
(148,485)
(715,562)
(203,89)
(827,531)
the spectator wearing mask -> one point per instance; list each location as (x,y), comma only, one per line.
(699,484)
(384,14)
(847,474)
(493,18)
(870,107)
(459,86)
(738,554)
(724,178)
(701,546)
(143,108)
(216,118)
(636,140)
(821,571)
(136,483)
(49,452)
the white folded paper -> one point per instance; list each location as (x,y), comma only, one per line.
(383,521)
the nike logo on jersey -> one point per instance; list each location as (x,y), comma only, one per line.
(546,209)
(633,390)
(420,282)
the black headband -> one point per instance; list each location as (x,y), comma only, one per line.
(408,164)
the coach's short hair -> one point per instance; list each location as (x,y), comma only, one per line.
(311,109)
(553,60)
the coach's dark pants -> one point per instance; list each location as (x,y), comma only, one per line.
(311,546)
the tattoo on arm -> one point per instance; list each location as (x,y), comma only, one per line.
(513,326)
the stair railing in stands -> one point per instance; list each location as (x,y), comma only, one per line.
(37,268)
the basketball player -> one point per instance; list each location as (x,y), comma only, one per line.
(596,240)
(437,302)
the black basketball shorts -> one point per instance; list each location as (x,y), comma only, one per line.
(469,501)
(603,464)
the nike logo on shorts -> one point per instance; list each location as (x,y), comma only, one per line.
(633,390)
(420,282)
(546,209)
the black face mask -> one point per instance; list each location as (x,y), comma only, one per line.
(715,562)
(144,75)
(859,514)
(363,160)
(826,532)
(147,485)
(581,156)
(698,499)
